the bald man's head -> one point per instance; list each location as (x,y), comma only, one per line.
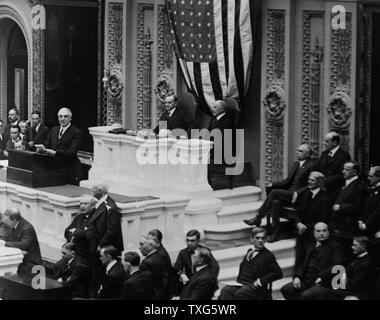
(321,231)
(64,116)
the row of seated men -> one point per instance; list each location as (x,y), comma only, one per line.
(21,135)
(324,271)
(330,190)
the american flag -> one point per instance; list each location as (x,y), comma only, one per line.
(214,41)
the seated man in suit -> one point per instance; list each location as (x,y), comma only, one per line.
(369,220)
(315,273)
(153,263)
(203,282)
(26,134)
(331,162)
(257,271)
(64,141)
(285,192)
(71,271)
(184,264)
(14,118)
(24,237)
(139,285)
(359,275)
(110,287)
(157,235)
(313,206)
(347,205)
(175,116)
(39,130)
(14,138)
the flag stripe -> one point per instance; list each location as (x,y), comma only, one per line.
(246,40)
(232,88)
(238,55)
(225,37)
(198,84)
(207,83)
(215,81)
(220,49)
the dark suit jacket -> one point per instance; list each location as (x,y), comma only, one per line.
(332,168)
(350,199)
(330,254)
(201,285)
(112,283)
(74,275)
(298,177)
(2,147)
(155,264)
(83,235)
(24,237)
(359,275)
(66,149)
(309,210)
(107,226)
(371,211)
(41,135)
(184,263)
(138,286)
(180,119)
(264,267)
(167,263)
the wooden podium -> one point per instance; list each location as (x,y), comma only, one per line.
(34,170)
(13,287)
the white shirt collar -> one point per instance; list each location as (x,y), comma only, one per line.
(199,268)
(363,254)
(219,116)
(351,180)
(150,253)
(71,260)
(110,265)
(172,111)
(15,123)
(64,128)
(100,201)
(134,271)
(37,127)
(315,191)
(15,227)
(333,151)
(302,162)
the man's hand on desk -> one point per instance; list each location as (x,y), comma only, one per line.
(50,152)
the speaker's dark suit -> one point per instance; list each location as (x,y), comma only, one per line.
(138,287)
(332,167)
(264,267)
(350,199)
(371,211)
(309,211)
(167,265)
(24,237)
(112,283)
(318,263)
(40,136)
(201,285)
(66,149)
(74,275)
(180,119)
(155,264)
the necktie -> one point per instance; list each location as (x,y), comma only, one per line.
(60,133)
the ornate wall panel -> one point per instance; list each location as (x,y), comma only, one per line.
(38,70)
(312,75)
(165,62)
(113,111)
(340,104)
(144,64)
(274,103)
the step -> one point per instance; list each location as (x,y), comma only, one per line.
(238,212)
(238,195)
(233,256)
(231,231)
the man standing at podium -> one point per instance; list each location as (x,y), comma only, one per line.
(22,236)
(64,141)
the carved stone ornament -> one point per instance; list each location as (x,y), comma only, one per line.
(115,84)
(274,103)
(339,110)
(164,87)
